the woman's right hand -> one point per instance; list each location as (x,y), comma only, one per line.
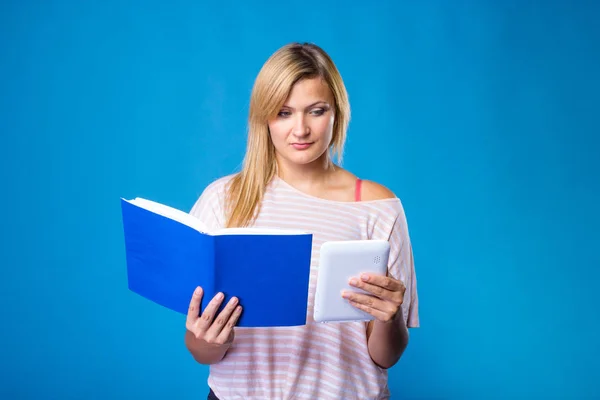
(209,327)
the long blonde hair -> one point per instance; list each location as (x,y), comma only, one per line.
(272,86)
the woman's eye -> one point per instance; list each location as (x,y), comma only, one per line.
(283,114)
(318,111)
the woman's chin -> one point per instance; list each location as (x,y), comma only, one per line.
(304,158)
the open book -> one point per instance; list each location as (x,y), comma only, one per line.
(170,252)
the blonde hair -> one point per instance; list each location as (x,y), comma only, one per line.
(272,86)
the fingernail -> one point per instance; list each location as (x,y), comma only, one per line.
(220,296)
(345,294)
(197,291)
(353,281)
(365,277)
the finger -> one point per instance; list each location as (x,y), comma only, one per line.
(209,312)
(381,292)
(385,282)
(194,308)
(220,320)
(378,314)
(233,319)
(369,301)
(378,291)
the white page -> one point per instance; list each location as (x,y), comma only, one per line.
(170,212)
(257,231)
(195,223)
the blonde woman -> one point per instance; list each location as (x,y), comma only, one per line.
(299,113)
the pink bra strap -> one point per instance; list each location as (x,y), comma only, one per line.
(357,190)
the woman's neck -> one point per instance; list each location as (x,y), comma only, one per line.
(305,176)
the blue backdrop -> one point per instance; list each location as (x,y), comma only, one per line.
(481,115)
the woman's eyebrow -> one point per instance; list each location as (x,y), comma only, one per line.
(309,106)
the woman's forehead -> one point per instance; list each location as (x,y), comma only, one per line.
(306,92)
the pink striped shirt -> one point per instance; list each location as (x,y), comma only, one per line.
(319,360)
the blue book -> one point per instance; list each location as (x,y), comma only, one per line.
(169,253)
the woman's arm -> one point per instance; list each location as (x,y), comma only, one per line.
(387,341)
(387,335)
(204,352)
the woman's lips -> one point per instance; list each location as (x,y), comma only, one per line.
(301,146)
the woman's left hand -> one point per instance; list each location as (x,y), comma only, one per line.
(384,301)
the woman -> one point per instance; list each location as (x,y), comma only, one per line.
(299,113)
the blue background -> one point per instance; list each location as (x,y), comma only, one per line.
(482,116)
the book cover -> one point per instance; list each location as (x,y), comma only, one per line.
(169,253)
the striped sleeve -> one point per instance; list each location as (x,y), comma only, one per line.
(209,206)
(401,266)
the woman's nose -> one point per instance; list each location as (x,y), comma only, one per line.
(300,126)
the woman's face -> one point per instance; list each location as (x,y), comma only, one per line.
(303,128)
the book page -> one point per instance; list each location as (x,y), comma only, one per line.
(171,213)
(257,231)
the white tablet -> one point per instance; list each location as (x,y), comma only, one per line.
(338,262)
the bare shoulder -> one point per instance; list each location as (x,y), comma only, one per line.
(370,190)
(375,191)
